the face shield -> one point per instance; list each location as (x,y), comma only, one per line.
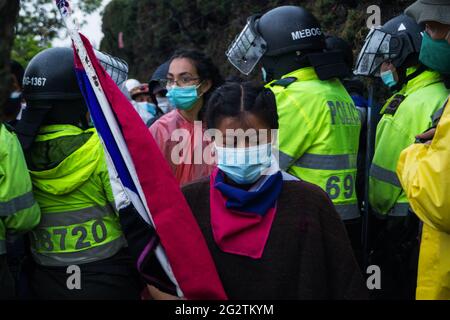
(376,50)
(247,49)
(115,67)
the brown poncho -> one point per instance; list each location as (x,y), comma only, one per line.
(307,256)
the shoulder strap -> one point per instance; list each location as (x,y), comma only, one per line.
(393,105)
(285,82)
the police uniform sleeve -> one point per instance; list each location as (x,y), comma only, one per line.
(18,209)
(385,188)
(424,172)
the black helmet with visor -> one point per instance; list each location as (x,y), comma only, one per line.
(398,41)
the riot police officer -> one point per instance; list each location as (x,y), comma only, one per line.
(319,125)
(391,52)
(79,234)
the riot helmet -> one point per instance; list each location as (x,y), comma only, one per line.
(398,41)
(51,90)
(284,39)
(278,32)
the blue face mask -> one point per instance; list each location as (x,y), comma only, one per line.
(435,54)
(183,98)
(244,165)
(388,78)
(264,75)
(163,104)
(149,107)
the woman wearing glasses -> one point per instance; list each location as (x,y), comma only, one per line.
(191,78)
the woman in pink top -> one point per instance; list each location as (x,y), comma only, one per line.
(191,78)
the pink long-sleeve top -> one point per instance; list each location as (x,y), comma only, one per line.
(183,145)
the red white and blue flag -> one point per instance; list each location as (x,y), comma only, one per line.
(145,175)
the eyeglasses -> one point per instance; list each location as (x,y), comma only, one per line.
(182,82)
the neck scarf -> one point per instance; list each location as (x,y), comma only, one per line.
(241,219)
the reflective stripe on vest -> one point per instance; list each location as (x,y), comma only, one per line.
(2,246)
(347,211)
(74,217)
(384,175)
(399,210)
(326,162)
(102,252)
(17,204)
(80,236)
(284,160)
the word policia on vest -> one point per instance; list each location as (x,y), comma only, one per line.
(343,113)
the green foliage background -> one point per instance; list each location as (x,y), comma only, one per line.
(38,24)
(153,29)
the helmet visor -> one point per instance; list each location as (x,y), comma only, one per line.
(247,49)
(115,67)
(375,51)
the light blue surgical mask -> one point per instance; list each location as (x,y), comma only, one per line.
(183,98)
(435,54)
(264,75)
(388,78)
(149,107)
(244,165)
(163,104)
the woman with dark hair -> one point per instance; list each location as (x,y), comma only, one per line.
(271,235)
(191,79)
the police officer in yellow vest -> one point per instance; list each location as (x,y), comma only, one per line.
(19,211)
(392,53)
(319,124)
(79,235)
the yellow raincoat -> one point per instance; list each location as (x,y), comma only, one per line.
(424,172)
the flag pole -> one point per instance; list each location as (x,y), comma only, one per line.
(140,203)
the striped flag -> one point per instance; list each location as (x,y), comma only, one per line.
(146,176)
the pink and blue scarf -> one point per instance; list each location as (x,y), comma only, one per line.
(241,220)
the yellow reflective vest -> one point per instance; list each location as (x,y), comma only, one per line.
(424,172)
(79,222)
(406,114)
(318,135)
(19,212)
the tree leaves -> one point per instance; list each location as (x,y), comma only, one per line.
(154,29)
(8,12)
(39,23)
